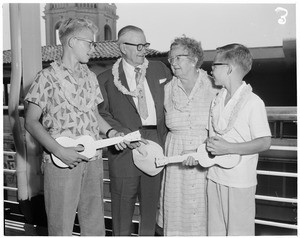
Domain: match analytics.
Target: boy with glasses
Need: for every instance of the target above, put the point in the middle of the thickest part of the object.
(238, 124)
(66, 96)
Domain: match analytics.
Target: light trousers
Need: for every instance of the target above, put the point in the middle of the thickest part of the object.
(231, 211)
(68, 190)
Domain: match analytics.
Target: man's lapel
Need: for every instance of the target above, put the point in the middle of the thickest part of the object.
(150, 76)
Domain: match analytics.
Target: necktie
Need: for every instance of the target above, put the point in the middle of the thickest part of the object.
(142, 104)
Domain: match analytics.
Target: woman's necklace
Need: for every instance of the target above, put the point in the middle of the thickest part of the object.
(234, 113)
(118, 84)
(181, 104)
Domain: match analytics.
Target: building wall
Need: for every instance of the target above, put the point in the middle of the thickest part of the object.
(102, 14)
(273, 76)
(274, 80)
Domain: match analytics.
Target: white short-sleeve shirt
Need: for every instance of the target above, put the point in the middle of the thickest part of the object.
(251, 123)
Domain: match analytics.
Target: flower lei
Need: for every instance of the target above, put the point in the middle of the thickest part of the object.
(234, 113)
(183, 105)
(118, 84)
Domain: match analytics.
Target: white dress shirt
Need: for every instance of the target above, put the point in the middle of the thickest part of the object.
(130, 77)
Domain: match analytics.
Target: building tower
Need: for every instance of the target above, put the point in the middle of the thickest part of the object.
(102, 14)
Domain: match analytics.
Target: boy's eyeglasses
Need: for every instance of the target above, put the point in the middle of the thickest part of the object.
(92, 43)
(216, 64)
(139, 46)
(177, 58)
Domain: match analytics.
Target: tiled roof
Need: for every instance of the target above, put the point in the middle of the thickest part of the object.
(104, 50)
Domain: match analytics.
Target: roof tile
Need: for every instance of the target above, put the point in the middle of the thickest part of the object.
(104, 50)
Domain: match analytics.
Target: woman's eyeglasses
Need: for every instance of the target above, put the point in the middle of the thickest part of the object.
(177, 58)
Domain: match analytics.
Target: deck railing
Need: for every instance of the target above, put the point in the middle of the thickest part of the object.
(283, 147)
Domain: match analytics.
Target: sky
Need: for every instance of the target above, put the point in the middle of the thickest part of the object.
(214, 24)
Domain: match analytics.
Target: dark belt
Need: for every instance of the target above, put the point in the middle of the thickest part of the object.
(148, 127)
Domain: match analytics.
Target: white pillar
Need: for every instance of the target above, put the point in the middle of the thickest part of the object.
(14, 98)
(31, 64)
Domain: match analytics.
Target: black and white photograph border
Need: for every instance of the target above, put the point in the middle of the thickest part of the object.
(30, 43)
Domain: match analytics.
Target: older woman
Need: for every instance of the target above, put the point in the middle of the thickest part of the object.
(187, 99)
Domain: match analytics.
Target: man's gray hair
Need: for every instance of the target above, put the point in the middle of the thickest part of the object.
(127, 29)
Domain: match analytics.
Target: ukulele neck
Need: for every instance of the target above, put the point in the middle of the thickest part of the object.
(108, 142)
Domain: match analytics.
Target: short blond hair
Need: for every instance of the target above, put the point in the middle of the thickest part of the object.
(74, 25)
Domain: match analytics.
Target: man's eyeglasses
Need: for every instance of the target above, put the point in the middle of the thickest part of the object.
(92, 43)
(177, 58)
(139, 46)
(216, 64)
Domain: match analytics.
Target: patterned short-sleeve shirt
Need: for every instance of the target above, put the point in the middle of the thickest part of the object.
(68, 100)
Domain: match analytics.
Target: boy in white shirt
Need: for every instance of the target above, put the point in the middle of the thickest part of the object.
(238, 124)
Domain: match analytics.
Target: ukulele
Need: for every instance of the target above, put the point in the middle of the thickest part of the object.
(203, 157)
(90, 145)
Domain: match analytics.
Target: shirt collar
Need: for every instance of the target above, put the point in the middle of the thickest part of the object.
(128, 66)
(237, 93)
(239, 90)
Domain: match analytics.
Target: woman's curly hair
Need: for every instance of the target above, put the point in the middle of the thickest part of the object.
(193, 47)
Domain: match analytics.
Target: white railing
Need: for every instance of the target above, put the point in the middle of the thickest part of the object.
(276, 224)
(275, 173)
(258, 197)
(274, 113)
(278, 199)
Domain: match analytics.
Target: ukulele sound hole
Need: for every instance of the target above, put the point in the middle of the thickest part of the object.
(81, 147)
(210, 155)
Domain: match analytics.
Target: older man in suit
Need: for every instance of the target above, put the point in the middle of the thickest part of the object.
(133, 92)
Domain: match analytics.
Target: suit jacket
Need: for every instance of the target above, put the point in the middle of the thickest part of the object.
(120, 111)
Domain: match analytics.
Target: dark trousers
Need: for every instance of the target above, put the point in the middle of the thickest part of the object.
(124, 194)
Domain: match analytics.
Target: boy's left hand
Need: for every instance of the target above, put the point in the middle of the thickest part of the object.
(217, 145)
(127, 144)
(122, 145)
(135, 145)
